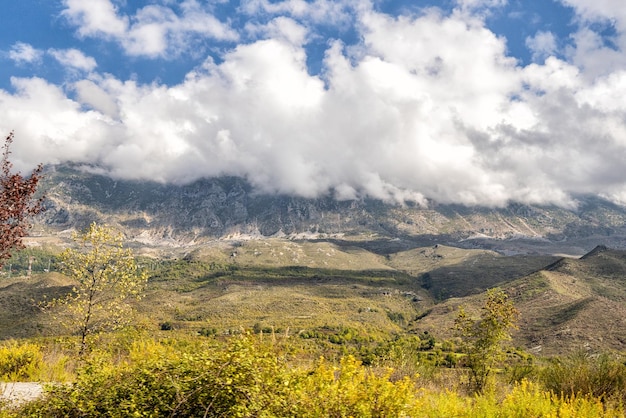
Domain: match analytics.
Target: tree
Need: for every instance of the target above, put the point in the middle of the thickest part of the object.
(17, 203)
(107, 278)
(483, 338)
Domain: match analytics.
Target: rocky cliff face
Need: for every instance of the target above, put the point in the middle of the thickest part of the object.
(158, 214)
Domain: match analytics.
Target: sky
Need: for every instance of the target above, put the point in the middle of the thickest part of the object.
(473, 102)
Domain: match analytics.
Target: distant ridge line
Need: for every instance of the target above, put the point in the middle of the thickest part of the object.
(599, 249)
(553, 266)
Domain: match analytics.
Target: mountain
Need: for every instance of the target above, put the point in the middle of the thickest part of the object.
(228, 257)
(155, 214)
(569, 305)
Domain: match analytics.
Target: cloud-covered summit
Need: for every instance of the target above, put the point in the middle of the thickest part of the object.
(352, 98)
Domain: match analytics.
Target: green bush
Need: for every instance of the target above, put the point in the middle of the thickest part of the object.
(166, 326)
(601, 376)
(207, 332)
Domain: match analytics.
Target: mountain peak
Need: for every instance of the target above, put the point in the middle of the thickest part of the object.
(597, 250)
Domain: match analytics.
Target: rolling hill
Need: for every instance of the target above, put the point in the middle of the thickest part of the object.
(296, 287)
(570, 305)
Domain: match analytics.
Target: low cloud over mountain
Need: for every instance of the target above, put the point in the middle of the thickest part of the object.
(407, 106)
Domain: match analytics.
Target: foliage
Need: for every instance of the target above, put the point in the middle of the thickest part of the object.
(351, 390)
(240, 381)
(526, 399)
(17, 203)
(242, 377)
(483, 338)
(20, 362)
(602, 376)
(35, 259)
(106, 276)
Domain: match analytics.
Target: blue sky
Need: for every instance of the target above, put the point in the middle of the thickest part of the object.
(43, 25)
(478, 102)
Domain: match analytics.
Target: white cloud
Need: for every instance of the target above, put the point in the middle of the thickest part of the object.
(50, 127)
(597, 53)
(153, 31)
(93, 95)
(593, 56)
(73, 58)
(599, 10)
(325, 12)
(428, 106)
(95, 18)
(481, 4)
(24, 53)
(542, 45)
(280, 28)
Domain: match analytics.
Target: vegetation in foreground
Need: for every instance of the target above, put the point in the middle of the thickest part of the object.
(243, 376)
(330, 370)
(134, 373)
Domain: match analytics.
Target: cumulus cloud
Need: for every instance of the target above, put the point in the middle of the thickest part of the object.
(427, 106)
(484, 5)
(280, 28)
(95, 18)
(594, 51)
(327, 12)
(594, 10)
(24, 53)
(542, 45)
(153, 31)
(74, 58)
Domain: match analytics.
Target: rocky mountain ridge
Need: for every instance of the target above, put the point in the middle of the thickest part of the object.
(156, 214)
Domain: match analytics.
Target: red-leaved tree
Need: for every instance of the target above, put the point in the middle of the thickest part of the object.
(17, 203)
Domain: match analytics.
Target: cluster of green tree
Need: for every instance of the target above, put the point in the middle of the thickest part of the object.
(166, 270)
(33, 260)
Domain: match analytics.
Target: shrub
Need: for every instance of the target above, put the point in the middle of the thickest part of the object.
(529, 400)
(242, 380)
(20, 362)
(351, 389)
(600, 376)
(247, 379)
(166, 326)
(207, 332)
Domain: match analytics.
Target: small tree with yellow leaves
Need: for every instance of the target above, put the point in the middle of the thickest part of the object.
(107, 277)
(483, 338)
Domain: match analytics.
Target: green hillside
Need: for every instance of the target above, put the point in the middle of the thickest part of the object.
(298, 287)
